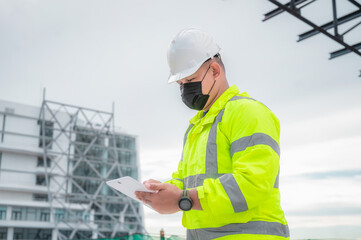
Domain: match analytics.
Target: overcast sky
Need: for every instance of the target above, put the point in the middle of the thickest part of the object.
(92, 53)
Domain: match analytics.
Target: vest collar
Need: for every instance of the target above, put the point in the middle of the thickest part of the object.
(217, 106)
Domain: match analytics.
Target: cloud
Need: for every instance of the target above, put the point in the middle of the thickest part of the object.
(334, 154)
(338, 232)
(351, 173)
(321, 127)
(159, 164)
(171, 223)
(302, 193)
(327, 209)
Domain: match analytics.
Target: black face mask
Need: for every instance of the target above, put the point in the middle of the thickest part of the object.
(192, 94)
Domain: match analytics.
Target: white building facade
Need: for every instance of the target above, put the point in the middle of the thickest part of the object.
(54, 162)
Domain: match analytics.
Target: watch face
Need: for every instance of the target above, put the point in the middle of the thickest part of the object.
(185, 204)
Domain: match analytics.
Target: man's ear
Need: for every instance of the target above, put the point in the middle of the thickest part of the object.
(216, 69)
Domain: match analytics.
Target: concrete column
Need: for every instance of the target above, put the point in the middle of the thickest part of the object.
(10, 235)
(8, 213)
(95, 234)
(52, 215)
(54, 234)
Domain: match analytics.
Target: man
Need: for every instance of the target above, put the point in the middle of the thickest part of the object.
(227, 180)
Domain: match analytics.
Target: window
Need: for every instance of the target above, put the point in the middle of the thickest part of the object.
(18, 235)
(48, 134)
(2, 213)
(32, 233)
(127, 171)
(30, 214)
(79, 215)
(1, 154)
(41, 180)
(16, 214)
(45, 216)
(41, 162)
(40, 197)
(114, 208)
(87, 217)
(41, 234)
(3, 233)
(59, 215)
(89, 186)
(127, 157)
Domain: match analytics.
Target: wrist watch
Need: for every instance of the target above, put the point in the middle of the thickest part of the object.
(185, 203)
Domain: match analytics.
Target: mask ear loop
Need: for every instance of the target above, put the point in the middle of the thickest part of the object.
(205, 76)
(212, 86)
(205, 73)
(213, 82)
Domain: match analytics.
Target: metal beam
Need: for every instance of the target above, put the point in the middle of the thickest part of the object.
(295, 14)
(355, 3)
(330, 25)
(76, 107)
(277, 11)
(335, 22)
(344, 51)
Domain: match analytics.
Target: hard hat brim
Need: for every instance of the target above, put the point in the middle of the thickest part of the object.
(186, 73)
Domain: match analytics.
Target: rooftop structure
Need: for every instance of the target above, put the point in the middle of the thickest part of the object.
(54, 162)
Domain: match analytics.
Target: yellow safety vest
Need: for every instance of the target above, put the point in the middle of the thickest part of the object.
(231, 155)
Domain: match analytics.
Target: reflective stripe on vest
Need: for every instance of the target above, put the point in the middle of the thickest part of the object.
(238, 145)
(255, 227)
(185, 138)
(211, 157)
(211, 154)
(239, 97)
(256, 139)
(194, 181)
(277, 182)
(234, 193)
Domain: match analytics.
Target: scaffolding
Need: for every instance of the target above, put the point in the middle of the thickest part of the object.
(78, 173)
(294, 7)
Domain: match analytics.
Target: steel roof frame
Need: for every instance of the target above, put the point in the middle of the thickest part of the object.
(292, 8)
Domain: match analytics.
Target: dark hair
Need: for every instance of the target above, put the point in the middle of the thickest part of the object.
(215, 56)
(218, 60)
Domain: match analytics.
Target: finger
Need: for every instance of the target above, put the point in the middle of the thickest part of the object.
(141, 198)
(146, 195)
(148, 185)
(157, 186)
(138, 195)
(144, 200)
(142, 195)
(149, 181)
(153, 181)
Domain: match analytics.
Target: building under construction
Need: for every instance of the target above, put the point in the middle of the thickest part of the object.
(54, 162)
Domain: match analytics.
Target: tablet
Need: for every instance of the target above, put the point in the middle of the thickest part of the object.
(128, 186)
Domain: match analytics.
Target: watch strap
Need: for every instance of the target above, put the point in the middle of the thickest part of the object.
(185, 194)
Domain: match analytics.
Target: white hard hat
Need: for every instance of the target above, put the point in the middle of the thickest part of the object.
(188, 50)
